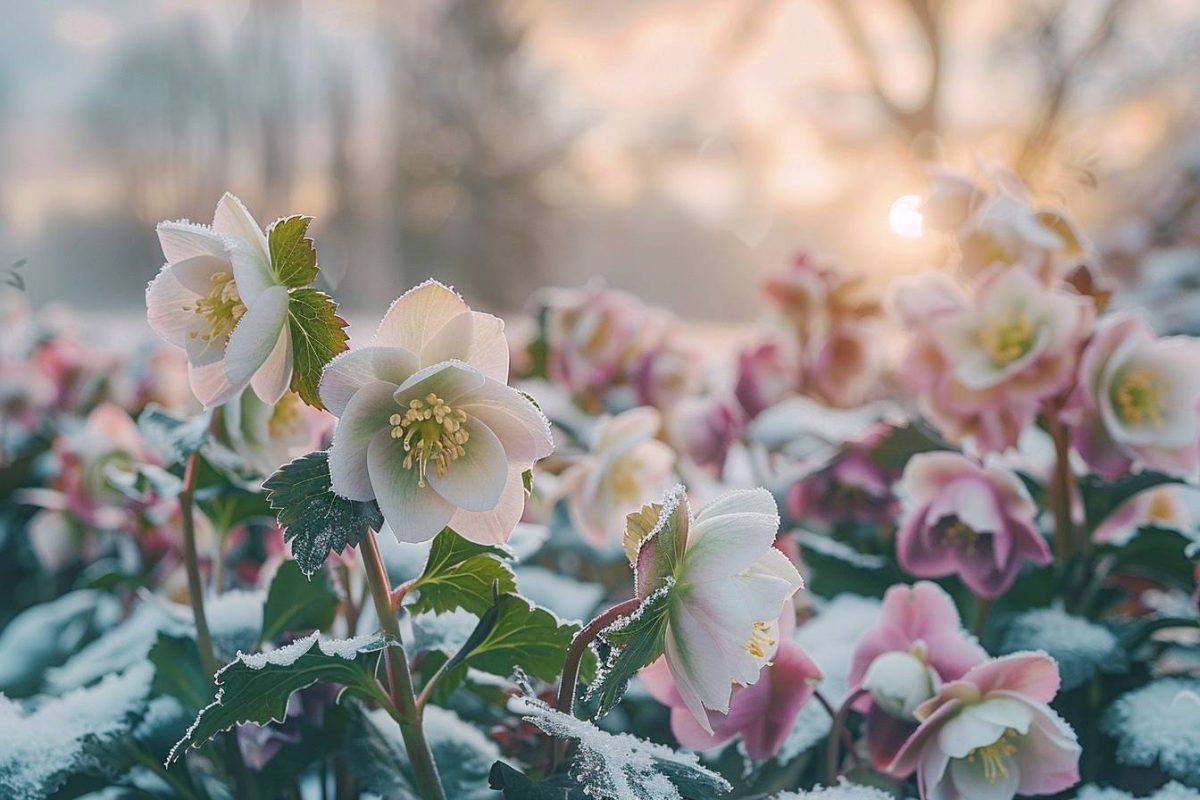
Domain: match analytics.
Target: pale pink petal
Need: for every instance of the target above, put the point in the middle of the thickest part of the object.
(256, 335)
(210, 385)
(692, 672)
(474, 481)
(496, 525)
(910, 754)
(417, 315)
(415, 513)
(180, 240)
(522, 428)
(627, 429)
(450, 380)
(350, 371)
(366, 415)
(970, 781)
(656, 677)
(926, 473)
(475, 338)
(272, 379)
(1032, 674)
(166, 298)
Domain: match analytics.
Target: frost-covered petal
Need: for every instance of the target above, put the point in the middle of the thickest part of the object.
(181, 240)
(366, 415)
(475, 479)
(166, 298)
(256, 335)
(247, 248)
(272, 379)
(473, 337)
(522, 428)
(416, 513)
(731, 534)
(350, 371)
(495, 525)
(417, 315)
(450, 380)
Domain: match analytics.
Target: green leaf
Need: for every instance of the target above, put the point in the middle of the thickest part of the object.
(293, 256)
(175, 439)
(255, 688)
(314, 519)
(296, 603)
(635, 641)
(227, 505)
(318, 334)
(459, 574)
(836, 567)
(516, 785)
(903, 442)
(1101, 498)
(179, 671)
(525, 636)
(1158, 554)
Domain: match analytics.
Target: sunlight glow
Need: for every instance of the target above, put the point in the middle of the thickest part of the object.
(906, 218)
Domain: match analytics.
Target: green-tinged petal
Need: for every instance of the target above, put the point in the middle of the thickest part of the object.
(366, 415)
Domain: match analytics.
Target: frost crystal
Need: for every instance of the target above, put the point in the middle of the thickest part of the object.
(843, 791)
(617, 766)
(1172, 791)
(1159, 722)
(1081, 648)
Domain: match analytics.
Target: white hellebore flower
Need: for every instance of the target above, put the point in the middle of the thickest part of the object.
(428, 426)
(217, 298)
(626, 469)
(726, 587)
(899, 681)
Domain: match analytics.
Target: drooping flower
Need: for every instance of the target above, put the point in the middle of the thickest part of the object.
(627, 468)
(762, 714)
(853, 487)
(703, 428)
(267, 436)
(991, 735)
(966, 519)
(917, 645)
(766, 373)
(726, 586)
(984, 365)
(1137, 400)
(218, 299)
(1161, 505)
(428, 426)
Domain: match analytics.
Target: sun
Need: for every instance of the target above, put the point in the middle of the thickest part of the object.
(905, 216)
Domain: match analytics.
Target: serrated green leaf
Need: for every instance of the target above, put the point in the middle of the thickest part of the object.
(255, 688)
(516, 785)
(293, 256)
(318, 334)
(296, 603)
(635, 642)
(459, 574)
(173, 438)
(525, 636)
(226, 505)
(179, 673)
(316, 521)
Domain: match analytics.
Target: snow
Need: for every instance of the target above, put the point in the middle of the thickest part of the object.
(615, 766)
(1080, 647)
(280, 657)
(843, 791)
(1172, 791)
(1159, 723)
(40, 746)
(44, 634)
(116, 650)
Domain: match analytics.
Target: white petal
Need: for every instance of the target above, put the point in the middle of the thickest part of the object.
(256, 335)
(165, 301)
(496, 525)
(365, 416)
(450, 380)
(737, 502)
(475, 480)
(628, 429)
(679, 661)
(180, 240)
(272, 379)
(415, 513)
(475, 338)
(970, 781)
(731, 534)
(210, 385)
(350, 371)
(251, 258)
(521, 427)
(418, 315)
(967, 731)
(705, 655)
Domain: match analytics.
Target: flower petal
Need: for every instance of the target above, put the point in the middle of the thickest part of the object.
(473, 337)
(415, 513)
(182, 239)
(350, 371)
(272, 379)
(730, 534)
(521, 427)
(256, 335)
(496, 525)
(248, 248)
(210, 385)
(365, 416)
(418, 315)
(449, 380)
(165, 301)
(475, 480)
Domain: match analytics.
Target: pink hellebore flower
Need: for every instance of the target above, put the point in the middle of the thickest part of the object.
(983, 366)
(726, 587)
(766, 373)
(917, 645)
(218, 299)
(992, 735)
(1137, 400)
(976, 522)
(763, 713)
(704, 428)
(627, 468)
(428, 425)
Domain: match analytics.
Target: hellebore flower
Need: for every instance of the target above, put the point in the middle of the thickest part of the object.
(1137, 400)
(726, 586)
(218, 299)
(266, 436)
(763, 714)
(992, 735)
(917, 645)
(626, 469)
(983, 366)
(976, 522)
(428, 427)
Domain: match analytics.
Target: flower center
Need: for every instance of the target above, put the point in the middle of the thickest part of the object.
(1008, 338)
(222, 308)
(761, 641)
(285, 416)
(956, 533)
(1139, 397)
(995, 756)
(432, 432)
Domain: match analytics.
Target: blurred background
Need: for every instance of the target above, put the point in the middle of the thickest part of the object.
(676, 148)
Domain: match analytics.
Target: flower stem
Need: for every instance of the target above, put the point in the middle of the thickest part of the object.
(1062, 487)
(836, 732)
(570, 674)
(400, 686)
(983, 606)
(191, 563)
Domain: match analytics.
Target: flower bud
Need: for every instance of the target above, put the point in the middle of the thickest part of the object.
(899, 682)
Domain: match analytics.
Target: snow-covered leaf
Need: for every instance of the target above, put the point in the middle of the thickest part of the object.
(636, 640)
(834, 567)
(1081, 648)
(1159, 723)
(173, 438)
(843, 791)
(117, 649)
(316, 521)
(255, 688)
(460, 574)
(516, 785)
(45, 635)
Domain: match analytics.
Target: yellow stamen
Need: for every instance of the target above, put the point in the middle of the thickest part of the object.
(1008, 338)
(995, 756)
(956, 533)
(1138, 397)
(760, 642)
(222, 308)
(431, 431)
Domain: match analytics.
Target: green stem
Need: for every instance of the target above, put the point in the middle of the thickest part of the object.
(192, 564)
(1062, 487)
(570, 673)
(836, 732)
(400, 686)
(983, 606)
